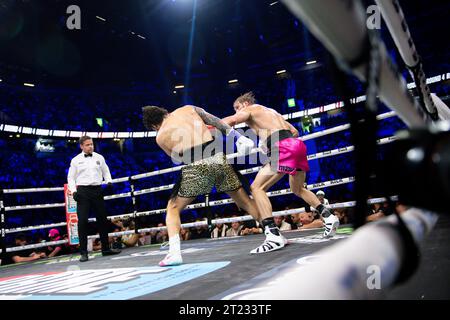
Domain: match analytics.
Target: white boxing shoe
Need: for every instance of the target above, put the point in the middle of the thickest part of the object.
(171, 260)
(274, 241)
(331, 223)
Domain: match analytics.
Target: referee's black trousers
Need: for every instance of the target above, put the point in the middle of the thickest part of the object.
(91, 197)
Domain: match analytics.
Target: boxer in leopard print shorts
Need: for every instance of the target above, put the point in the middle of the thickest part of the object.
(201, 176)
(184, 135)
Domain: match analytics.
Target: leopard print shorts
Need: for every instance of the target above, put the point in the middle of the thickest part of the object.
(200, 177)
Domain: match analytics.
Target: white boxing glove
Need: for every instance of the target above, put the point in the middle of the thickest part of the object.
(244, 145)
(262, 146)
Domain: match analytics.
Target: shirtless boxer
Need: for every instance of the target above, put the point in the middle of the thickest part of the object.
(183, 134)
(287, 155)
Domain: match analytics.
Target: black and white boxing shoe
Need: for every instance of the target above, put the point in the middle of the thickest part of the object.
(331, 223)
(274, 241)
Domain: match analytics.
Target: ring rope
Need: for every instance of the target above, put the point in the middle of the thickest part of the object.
(314, 186)
(234, 155)
(197, 205)
(149, 134)
(347, 204)
(318, 155)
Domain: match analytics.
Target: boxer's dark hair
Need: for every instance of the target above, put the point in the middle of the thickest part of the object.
(246, 97)
(83, 139)
(153, 116)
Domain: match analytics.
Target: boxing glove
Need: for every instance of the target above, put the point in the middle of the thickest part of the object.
(262, 146)
(243, 144)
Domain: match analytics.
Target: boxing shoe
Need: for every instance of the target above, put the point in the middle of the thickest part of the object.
(84, 257)
(274, 241)
(171, 260)
(331, 223)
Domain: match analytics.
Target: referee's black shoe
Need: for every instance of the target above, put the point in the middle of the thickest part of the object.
(84, 257)
(110, 252)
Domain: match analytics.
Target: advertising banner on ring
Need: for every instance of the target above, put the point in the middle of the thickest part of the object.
(71, 217)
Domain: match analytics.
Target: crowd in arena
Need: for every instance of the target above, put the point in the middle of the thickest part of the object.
(23, 167)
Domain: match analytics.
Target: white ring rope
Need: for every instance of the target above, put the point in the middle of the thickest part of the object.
(149, 134)
(34, 206)
(196, 205)
(29, 190)
(395, 21)
(274, 193)
(347, 204)
(346, 36)
(315, 156)
(229, 156)
(36, 245)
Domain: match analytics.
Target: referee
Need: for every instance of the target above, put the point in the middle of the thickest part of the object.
(86, 174)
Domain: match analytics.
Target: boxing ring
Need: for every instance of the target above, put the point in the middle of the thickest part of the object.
(213, 269)
(135, 193)
(222, 268)
(200, 255)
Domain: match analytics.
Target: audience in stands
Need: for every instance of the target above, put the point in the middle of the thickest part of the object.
(199, 232)
(22, 167)
(376, 212)
(309, 220)
(341, 213)
(23, 255)
(162, 235)
(219, 231)
(52, 251)
(281, 224)
(235, 229)
(251, 227)
(185, 234)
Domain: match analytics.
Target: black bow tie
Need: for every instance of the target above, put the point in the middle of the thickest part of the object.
(87, 155)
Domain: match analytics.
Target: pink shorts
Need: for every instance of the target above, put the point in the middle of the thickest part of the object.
(291, 156)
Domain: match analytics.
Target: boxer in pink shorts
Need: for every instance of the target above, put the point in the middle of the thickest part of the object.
(291, 153)
(287, 155)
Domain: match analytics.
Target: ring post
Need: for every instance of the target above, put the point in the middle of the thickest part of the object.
(134, 201)
(2, 227)
(208, 213)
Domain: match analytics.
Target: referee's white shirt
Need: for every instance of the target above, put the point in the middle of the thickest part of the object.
(88, 171)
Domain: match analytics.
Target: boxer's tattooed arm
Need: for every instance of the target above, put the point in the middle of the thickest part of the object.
(212, 120)
(293, 130)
